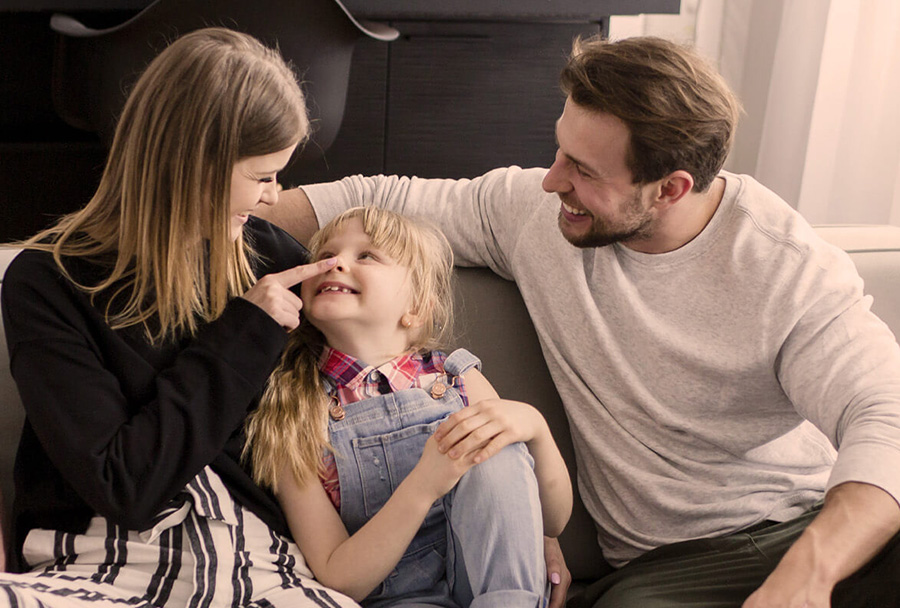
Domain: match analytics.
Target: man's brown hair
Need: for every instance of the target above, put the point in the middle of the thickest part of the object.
(679, 111)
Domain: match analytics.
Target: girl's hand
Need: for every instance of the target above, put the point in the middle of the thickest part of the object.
(485, 428)
(272, 292)
(436, 474)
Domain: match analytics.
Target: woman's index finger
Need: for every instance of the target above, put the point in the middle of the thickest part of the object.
(290, 277)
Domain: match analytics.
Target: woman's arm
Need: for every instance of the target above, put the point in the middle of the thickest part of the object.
(355, 565)
(124, 423)
(125, 436)
(490, 424)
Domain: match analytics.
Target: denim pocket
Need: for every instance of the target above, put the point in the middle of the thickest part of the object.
(385, 460)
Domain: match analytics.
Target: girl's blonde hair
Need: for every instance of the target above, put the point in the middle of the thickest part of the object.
(161, 213)
(289, 429)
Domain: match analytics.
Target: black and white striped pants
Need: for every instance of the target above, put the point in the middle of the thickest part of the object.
(206, 551)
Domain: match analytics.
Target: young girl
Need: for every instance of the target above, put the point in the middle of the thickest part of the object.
(407, 506)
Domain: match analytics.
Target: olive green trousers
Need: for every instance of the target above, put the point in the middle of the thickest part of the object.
(722, 572)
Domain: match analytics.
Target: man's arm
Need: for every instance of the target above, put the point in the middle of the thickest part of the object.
(293, 213)
(856, 522)
(482, 218)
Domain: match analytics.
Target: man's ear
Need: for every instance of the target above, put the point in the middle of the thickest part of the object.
(674, 187)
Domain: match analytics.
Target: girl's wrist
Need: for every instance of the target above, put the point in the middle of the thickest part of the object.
(417, 489)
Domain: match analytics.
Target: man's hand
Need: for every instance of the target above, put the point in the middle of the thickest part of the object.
(559, 576)
(272, 292)
(856, 522)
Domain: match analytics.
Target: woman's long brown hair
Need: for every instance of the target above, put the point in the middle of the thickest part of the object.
(161, 211)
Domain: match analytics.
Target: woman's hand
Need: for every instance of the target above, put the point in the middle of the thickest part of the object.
(272, 292)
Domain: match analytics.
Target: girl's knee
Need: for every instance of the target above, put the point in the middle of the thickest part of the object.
(507, 478)
(514, 459)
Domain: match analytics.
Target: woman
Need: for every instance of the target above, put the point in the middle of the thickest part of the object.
(141, 333)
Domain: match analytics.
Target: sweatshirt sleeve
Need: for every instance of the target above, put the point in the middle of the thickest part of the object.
(840, 366)
(125, 431)
(482, 217)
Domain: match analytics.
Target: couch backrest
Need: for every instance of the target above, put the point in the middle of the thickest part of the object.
(875, 251)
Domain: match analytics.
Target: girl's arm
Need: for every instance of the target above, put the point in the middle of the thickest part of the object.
(355, 565)
(489, 424)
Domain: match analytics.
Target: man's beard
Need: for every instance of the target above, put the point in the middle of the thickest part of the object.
(636, 224)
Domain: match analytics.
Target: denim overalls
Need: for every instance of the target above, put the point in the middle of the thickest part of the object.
(483, 539)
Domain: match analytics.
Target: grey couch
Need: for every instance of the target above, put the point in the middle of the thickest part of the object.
(493, 323)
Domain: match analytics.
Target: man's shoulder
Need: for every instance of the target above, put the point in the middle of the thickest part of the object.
(776, 236)
(772, 219)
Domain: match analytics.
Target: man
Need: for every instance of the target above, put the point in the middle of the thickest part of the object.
(711, 351)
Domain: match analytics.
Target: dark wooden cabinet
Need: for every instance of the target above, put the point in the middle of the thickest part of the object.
(451, 99)
(470, 85)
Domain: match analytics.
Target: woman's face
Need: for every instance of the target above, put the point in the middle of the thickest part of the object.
(254, 183)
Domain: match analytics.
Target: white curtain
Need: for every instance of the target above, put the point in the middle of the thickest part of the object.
(820, 80)
(820, 84)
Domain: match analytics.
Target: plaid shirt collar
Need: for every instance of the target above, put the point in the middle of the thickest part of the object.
(345, 371)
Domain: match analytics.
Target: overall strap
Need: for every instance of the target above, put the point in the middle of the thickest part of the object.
(460, 361)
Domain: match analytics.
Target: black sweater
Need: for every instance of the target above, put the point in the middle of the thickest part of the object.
(116, 426)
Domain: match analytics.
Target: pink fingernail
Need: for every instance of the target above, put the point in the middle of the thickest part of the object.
(554, 578)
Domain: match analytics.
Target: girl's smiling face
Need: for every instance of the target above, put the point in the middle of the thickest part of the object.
(364, 302)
